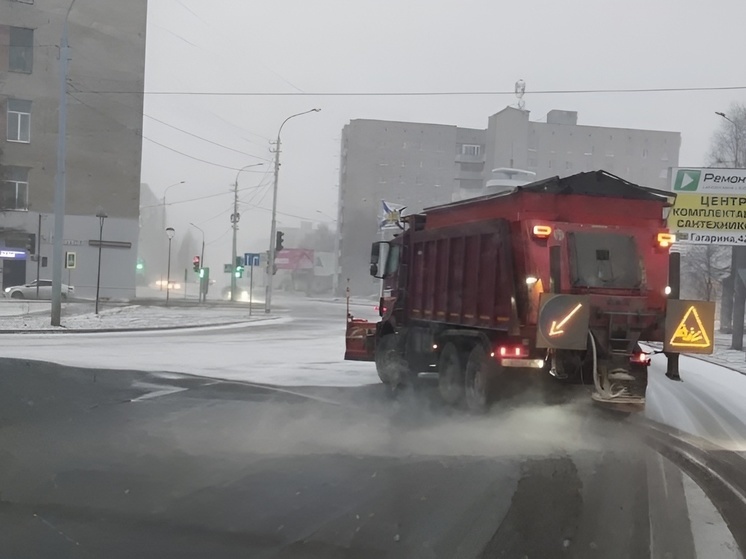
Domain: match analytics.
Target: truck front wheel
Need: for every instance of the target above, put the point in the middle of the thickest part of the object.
(480, 376)
(451, 375)
(391, 366)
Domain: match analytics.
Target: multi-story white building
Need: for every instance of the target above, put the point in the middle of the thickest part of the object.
(420, 165)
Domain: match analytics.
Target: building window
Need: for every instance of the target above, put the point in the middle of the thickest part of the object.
(21, 51)
(471, 149)
(568, 165)
(644, 153)
(14, 193)
(550, 164)
(19, 121)
(418, 179)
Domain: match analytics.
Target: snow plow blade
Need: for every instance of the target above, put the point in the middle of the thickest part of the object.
(360, 340)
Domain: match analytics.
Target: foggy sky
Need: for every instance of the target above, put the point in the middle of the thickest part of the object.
(407, 45)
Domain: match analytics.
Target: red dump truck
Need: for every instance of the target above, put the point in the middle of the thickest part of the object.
(564, 276)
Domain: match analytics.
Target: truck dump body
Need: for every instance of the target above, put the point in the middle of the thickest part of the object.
(471, 260)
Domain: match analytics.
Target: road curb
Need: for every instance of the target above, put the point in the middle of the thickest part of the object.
(64, 330)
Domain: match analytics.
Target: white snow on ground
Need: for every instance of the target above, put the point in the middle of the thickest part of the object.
(281, 351)
(35, 316)
(710, 402)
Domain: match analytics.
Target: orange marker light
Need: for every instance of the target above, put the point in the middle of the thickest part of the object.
(542, 231)
(665, 240)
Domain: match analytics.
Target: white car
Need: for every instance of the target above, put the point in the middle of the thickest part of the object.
(28, 291)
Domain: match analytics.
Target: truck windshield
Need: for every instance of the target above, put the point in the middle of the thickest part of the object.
(605, 260)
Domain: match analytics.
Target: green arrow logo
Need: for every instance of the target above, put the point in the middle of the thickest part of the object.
(687, 180)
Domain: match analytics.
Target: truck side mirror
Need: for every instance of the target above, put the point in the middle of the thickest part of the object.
(378, 254)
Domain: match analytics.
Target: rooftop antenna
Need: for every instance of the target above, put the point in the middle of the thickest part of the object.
(520, 91)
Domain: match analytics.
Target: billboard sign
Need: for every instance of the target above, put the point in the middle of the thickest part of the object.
(294, 259)
(710, 206)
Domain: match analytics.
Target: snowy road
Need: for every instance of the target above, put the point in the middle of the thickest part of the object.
(305, 347)
(331, 466)
(302, 347)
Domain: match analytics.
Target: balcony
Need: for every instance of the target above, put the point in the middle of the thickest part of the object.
(464, 158)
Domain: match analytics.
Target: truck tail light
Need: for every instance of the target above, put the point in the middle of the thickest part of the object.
(510, 351)
(665, 240)
(542, 231)
(641, 358)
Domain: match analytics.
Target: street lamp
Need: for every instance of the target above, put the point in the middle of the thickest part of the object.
(59, 183)
(235, 218)
(101, 217)
(170, 232)
(273, 230)
(201, 263)
(170, 186)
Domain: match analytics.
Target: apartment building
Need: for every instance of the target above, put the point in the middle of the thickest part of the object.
(104, 144)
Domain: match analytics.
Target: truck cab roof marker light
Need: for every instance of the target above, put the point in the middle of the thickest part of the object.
(542, 231)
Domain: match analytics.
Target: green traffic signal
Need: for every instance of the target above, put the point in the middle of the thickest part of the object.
(140, 266)
(201, 273)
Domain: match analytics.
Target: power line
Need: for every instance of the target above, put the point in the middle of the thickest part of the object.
(195, 158)
(424, 93)
(198, 198)
(205, 139)
(79, 100)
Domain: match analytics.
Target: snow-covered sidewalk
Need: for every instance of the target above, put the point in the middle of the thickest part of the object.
(725, 356)
(129, 317)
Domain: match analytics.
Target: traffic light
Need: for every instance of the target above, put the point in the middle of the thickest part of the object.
(196, 263)
(279, 241)
(201, 273)
(140, 265)
(239, 267)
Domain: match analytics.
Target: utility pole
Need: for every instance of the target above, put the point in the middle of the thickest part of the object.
(59, 183)
(234, 220)
(273, 229)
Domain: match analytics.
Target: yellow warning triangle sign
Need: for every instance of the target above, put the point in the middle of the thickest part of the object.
(690, 332)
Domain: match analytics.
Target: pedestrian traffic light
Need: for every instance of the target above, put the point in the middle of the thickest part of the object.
(196, 263)
(279, 241)
(201, 273)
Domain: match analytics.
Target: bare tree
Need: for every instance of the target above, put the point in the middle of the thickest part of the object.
(704, 267)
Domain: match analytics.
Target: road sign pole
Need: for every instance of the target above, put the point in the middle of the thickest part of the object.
(251, 285)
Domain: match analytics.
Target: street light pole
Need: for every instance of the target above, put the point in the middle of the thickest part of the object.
(101, 217)
(201, 263)
(59, 184)
(273, 229)
(235, 218)
(170, 234)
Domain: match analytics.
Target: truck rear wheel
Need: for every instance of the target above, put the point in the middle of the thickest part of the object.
(480, 376)
(391, 366)
(451, 375)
